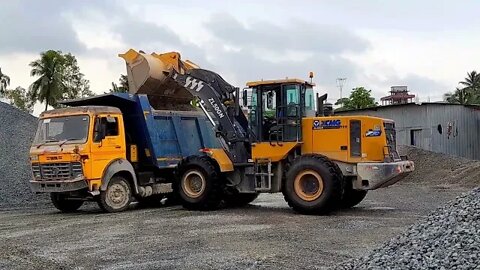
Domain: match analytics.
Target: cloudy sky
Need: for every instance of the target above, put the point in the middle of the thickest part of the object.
(428, 45)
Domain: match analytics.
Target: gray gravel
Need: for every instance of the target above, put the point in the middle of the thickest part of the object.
(440, 169)
(17, 129)
(449, 238)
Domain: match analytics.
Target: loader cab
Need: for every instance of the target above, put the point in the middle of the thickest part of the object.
(276, 109)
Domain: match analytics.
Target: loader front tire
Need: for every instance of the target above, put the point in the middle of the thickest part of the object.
(199, 185)
(62, 203)
(313, 185)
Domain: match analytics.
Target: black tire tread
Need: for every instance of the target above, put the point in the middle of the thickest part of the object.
(213, 198)
(65, 206)
(101, 198)
(337, 189)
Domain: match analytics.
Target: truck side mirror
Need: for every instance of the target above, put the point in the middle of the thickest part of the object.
(245, 98)
(98, 130)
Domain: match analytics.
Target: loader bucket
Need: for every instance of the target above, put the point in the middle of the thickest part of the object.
(149, 75)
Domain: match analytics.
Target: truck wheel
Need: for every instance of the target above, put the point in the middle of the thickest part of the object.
(61, 202)
(313, 185)
(351, 197)
(199, 186)
(117, 197)
(236, 199)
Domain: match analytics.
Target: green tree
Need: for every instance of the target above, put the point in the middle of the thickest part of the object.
(469, 93)
(460, 96)
(123, 88)
(76, 86)
(20, 99)
(4, 82)
(472, 82)
(59, 78)
(49, 86)
(359, 98)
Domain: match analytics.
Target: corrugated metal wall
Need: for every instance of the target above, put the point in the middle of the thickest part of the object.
(421, 124)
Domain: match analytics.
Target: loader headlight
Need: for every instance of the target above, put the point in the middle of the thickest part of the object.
(34, 158)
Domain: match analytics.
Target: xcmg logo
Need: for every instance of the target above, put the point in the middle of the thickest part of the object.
(327, 124)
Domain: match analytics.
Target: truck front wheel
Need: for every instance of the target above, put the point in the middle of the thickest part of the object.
(62, 203)
(117, 196)
(199, 186)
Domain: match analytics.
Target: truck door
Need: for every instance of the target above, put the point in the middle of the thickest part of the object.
(108, 142)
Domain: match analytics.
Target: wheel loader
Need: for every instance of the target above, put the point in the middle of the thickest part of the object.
(283, 144)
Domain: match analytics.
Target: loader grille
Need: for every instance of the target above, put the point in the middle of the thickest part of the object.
(391, 140)
(57, 171)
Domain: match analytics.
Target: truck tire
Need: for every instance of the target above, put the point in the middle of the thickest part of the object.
(199, 185)
(62, 203)
(352, 197)
(117, 196)
(235, 199)
(313, 185)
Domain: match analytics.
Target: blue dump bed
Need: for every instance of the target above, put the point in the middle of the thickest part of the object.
(163, 137)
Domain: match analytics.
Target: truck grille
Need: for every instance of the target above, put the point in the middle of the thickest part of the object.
(56, 171)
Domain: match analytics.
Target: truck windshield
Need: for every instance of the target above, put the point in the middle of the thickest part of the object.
(68, 129)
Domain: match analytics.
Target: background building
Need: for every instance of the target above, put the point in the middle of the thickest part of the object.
(398, 95)
(439, 127)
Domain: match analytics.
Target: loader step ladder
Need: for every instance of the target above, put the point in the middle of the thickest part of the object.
(263, 174)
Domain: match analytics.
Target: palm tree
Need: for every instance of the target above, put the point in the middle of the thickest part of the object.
(460, 96)
(49, 86)
(472, 82)
(4, 82)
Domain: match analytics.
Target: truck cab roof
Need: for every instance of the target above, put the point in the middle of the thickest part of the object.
(79, 110)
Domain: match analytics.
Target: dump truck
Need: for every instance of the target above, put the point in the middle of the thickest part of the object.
(141, 144)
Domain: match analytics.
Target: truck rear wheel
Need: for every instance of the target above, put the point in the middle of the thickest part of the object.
(199, 186)
(117, 196)
(313, 185)
(62, 203)
(352, 197)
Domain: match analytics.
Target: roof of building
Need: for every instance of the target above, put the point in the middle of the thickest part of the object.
(376, 108)
(282, 81)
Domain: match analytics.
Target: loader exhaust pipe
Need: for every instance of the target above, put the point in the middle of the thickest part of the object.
(320, 101)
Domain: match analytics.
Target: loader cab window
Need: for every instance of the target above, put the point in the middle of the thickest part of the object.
(276, 114)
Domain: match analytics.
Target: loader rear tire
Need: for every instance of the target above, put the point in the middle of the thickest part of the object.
(352, 197)
(313, 185)
(62, 203)
(117, 196)
(199, 185)
(236, 199)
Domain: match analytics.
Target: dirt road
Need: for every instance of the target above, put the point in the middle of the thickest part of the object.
(262, 236)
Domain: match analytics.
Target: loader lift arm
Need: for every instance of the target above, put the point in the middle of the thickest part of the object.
(217, 95)
(170, 80)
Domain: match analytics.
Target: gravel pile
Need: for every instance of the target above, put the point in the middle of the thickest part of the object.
(16, 134)
(440, 169)
(449, 238)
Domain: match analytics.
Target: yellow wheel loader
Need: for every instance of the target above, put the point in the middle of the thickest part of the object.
(281, 144)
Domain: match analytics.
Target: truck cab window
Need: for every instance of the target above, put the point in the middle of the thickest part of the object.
(111, 126)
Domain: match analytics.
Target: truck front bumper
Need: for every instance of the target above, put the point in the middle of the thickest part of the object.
(78, 183)
(378, 175)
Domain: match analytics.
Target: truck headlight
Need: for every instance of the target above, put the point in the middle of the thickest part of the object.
(34, 158)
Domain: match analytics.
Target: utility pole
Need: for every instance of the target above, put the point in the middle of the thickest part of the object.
(340, 84)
